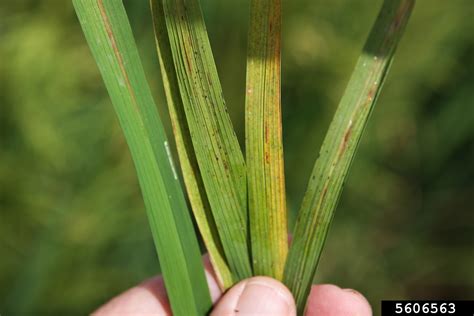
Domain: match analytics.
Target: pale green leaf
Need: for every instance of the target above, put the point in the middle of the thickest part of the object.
(264, 149)
(189, 166)
(339, 147)
(215, 144)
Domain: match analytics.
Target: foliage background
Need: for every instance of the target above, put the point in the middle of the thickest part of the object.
(73, 231)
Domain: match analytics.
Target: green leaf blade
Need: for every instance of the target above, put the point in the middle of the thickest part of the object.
(108, 32)
(189, 166)
(266, 181)
(339, 147)
(215, 144)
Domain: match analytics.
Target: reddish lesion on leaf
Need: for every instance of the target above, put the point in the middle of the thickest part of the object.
(113, 43)
(267, 157)
(345, 140)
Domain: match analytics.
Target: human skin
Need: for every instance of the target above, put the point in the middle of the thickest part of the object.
(255, 296)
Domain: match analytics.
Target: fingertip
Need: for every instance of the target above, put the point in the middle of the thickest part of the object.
(148, 297)
(257, 296)
(331, 300)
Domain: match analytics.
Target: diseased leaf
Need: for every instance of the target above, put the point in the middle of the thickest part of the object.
(189, 166)
(214, 141)
(110, 38)
(339, 147)
(265, 170)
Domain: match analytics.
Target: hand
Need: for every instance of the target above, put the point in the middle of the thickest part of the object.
(254, 296)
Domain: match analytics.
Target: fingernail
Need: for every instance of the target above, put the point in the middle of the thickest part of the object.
(265, 296)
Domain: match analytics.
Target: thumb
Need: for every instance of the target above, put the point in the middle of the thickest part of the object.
(256, 296)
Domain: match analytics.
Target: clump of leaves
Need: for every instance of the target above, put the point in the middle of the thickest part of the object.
(238, 203)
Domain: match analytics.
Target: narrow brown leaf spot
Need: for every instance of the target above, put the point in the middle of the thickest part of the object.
(346, 135)
(400, 16)
(267, 157)
(397, 21)
(371, 94)
(325, 191)
(188, 62)
(345, 141)
(319, 220)
(113, 42)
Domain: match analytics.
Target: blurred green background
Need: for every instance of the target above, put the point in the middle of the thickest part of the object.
(73, 230)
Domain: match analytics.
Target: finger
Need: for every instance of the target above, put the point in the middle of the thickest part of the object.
(256, 296)
(149, 297)
(331, 300)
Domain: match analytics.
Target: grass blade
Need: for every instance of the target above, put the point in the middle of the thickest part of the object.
(189, 166)
(339, 147)
(265, 170)
(110, 38)
(216, 146)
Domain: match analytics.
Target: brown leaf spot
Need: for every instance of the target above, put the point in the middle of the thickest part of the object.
(325, 191)
(345, 141)
(188, 62)
(371, 94)
(267, 157)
